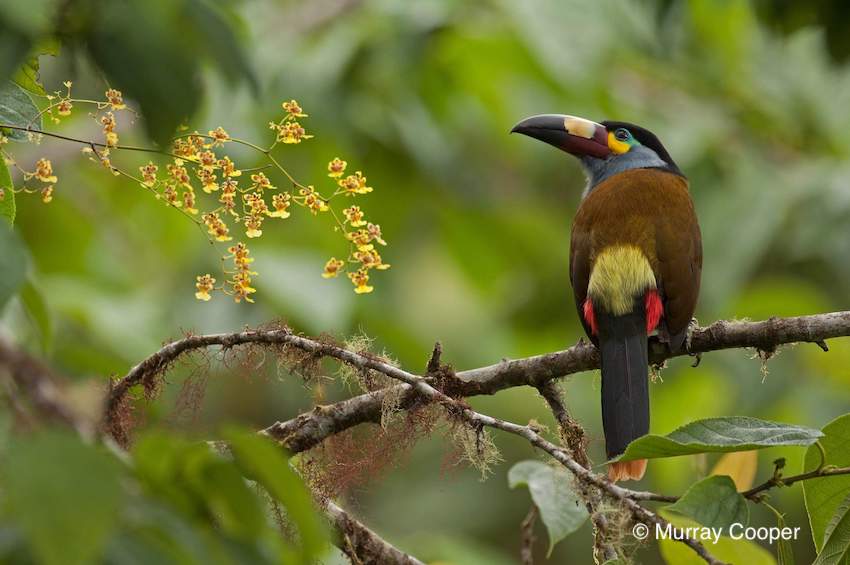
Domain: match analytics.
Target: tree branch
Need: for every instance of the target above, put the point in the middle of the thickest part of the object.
(309, 429)
(361, 544)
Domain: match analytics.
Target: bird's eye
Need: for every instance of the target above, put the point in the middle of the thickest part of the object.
(622, 134)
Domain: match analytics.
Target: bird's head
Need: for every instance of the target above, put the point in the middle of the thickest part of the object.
(604, 149)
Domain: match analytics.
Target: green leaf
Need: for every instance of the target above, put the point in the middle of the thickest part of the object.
(719, 435)
(27, 77)
(36, 308)
(562, 509)
(713, 502)
(823, 496)
(7, 201)
(727, 550)
(263, 461)
(13, 264)
(784, 551)
(220, 486)
(156, 533)
(13, 50)
(66, 516)
(836, 546)
(212, 22)
(145, 50)
(157, 460)
(154, 51)
(17, 109)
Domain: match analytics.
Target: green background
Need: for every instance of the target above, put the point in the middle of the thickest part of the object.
(751, 101)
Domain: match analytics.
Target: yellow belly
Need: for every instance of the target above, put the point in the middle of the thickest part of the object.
(620, 274)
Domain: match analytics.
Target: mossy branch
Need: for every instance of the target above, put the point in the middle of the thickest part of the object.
(309, 429)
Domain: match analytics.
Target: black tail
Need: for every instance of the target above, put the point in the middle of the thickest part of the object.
(625, 376)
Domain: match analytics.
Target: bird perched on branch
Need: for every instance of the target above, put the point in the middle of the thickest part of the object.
(635, 261)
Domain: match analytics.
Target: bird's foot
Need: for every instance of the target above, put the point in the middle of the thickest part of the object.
(689, 332)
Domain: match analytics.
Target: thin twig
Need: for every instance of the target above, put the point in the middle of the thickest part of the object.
(90, 143)
(755, 492)
(571, 432)
(526, 528)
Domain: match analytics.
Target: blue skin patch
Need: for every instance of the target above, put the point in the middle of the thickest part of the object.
(637, 157)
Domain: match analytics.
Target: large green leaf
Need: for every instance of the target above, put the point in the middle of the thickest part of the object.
(214, 27)
(824, 495)
(27, 77)
(154, 50)
(218, 483)
(13, 264)
(154, 532)
(784, 551)
(190, 492)
(720, 435)
(262, 461)
(562, 510)
(713, 502)
(7, 200)
(727, 550)
(836, 546)
(63, 494)
(13, 49)
(17, 109)
(142, 48)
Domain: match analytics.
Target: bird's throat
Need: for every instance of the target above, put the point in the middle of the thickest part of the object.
(598, 170)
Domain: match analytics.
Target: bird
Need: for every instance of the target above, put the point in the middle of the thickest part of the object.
(635, 262)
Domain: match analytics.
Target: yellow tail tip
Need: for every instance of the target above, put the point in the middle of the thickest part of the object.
(627, 470)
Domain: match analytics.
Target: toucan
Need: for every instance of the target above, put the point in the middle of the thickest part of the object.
(635, 262)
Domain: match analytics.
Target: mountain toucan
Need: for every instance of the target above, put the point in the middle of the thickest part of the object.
(635, 261)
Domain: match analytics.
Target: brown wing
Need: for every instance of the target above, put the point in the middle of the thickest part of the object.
(580, 263)
(678, 244)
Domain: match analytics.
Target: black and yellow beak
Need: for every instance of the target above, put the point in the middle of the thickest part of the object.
(576, 136)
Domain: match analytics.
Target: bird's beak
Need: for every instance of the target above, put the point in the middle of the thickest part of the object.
(576, 136)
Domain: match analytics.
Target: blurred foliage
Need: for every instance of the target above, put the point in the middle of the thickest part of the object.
(168, 501)
(153, 48)
(788, 16)
(748, 99)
